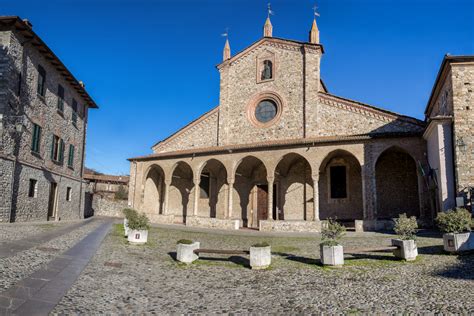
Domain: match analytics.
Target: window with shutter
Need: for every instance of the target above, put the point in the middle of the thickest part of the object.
(41, 87)
(35, 142)
(74, 112)
(60, 98)
(70, 160)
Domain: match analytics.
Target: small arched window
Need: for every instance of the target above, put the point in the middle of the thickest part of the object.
(267, 70)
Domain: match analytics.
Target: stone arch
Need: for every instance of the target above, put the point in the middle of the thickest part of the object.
(213, 185)
(153, 190)
(250, 174)
(340, 187)
(181, 187)
(397, 188)
(294, 192)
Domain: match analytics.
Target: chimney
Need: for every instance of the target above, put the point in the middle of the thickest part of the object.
(28, 23)
(81, 83)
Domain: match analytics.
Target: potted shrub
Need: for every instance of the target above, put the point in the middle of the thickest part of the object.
(332, 252)
(127, 212)
(456, 226)
(405, 227)
(185, 250)
(138, 229)
(260, 256)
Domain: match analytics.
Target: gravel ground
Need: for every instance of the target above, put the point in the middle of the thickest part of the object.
(17, 231)
(21, 265)
(124, 279)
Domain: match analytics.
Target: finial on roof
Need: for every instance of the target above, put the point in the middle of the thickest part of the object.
(268, 28)
(226, 54)
(314, 32)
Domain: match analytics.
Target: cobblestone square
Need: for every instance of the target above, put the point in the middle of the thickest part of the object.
(124, 279)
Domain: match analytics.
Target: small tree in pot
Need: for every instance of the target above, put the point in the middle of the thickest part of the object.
(138, 229)
(185, 250)
(128, 213)
(406, 228)
(456, 226)
(332, 252)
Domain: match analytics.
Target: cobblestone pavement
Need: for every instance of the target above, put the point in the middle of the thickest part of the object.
(17, 231)
(21, 265)
(125, 279)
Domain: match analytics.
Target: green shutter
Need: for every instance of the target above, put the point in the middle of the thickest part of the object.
(33, 140)
(70, 160)
(38, 138)
(61, 151)
(52, 148)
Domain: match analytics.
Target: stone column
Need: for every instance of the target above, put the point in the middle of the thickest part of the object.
(315, 197)
(369, 191)
(167, 197)
(230, 197)
(270, 198)
(197, 191)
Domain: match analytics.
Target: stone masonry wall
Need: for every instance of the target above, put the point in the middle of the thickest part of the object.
(108, 207)
(463, 100)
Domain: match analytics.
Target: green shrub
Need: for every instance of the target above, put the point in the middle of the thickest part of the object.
(261, 244)
(138, 222)
(406, 227)
(454, 221)
(332, 233)
(185, 242)
(121, 193)
(129, 212)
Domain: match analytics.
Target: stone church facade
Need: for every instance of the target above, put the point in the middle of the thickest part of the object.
(280, 152)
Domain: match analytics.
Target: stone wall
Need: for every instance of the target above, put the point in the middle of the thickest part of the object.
(6, 176)
(463, 100)
(108, 207)
(19, 59)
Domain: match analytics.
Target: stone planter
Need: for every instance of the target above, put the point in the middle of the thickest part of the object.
(407, 249)
(125, 226)
(185, 252)
(137, 236)
(332, 255)
(458, 242)
(260, 257)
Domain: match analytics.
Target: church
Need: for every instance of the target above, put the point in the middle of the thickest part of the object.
(282, 153)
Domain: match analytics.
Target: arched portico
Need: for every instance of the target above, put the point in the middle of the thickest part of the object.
(153, 191)
(212, 176)
(294, 190)
(397, 184)
(180, 203)
(251, 191)
(340, 187)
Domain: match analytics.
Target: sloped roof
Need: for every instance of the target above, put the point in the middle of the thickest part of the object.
(25, 29)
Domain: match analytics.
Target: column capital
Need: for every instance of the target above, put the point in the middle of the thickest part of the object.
(270, 179)
(315, 176)
(197, 181)
(230, 180)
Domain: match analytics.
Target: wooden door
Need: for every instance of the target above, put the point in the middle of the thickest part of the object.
(52, 200)
(262, 202)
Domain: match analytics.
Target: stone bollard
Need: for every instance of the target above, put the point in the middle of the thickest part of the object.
(260, 257)
(125, 226)
(185, 252)
(332, 255)
(359, 226)
(406, 249)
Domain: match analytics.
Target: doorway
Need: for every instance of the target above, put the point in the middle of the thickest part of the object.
(52, 204)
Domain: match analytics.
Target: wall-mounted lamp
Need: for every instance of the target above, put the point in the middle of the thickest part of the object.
(461, 144)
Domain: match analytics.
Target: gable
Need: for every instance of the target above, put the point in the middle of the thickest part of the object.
(338, 116)
(200, 133)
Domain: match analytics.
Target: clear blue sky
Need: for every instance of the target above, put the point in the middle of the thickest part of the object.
(150, 65)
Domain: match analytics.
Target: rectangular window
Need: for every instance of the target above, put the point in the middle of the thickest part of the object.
(74, 112)
(68, 193)
(70, 159)
(57, 149)
(33, 189)
(18, 91)
(41, 88)
(36, 139)
(205, 186)
(338, 182)
(60, 98)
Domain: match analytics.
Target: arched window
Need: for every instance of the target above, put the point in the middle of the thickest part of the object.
(267, 70)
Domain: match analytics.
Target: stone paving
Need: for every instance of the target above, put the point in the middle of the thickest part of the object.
(125, 279)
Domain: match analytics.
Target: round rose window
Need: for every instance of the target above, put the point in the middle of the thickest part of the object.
(266, 111)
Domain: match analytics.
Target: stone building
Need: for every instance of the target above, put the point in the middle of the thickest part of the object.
(280, 152)
(43, 120)
(107, 185)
